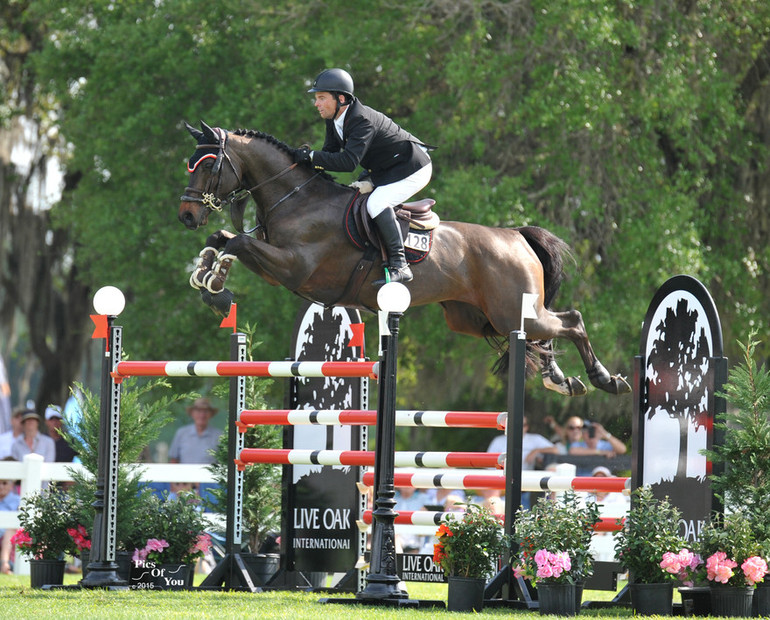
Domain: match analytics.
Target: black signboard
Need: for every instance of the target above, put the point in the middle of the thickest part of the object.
(678, 373)
(322, 503)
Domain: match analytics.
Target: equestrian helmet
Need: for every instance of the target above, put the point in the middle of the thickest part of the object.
(333, 81)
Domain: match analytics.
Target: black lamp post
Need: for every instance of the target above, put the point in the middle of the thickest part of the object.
(383, 579)
(102, 569)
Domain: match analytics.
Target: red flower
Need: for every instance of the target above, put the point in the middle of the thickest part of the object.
(444, 530)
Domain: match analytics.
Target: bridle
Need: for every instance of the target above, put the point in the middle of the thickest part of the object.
(209, 196)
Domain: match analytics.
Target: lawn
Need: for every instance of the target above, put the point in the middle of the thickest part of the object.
(18, 601)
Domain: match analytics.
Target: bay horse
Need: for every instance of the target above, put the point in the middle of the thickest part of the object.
(476, 273)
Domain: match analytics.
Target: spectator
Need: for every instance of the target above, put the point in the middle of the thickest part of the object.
(597, 440)
(572, 435)
(9, 500)
(53, 420)
(7, 438)
(194, 443)
(532, 446)
(32, 440)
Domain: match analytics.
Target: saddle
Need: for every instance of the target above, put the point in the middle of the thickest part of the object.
(416, 219)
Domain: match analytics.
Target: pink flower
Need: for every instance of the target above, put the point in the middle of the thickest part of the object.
(156, 545)
(552, 564)
(719, 567)
(202, 545)
(545, 570)
(140, 555)
(21, 538)
(755, 569)
(519, 571)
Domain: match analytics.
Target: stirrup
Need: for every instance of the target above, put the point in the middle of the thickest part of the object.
(404, 274)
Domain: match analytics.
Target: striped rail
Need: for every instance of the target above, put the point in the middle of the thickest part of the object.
(366, 458)
(531, 481)
(293, 417)
(245, 369)
(429, 518)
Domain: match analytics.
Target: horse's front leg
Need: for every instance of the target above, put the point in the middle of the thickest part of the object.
(203, 275)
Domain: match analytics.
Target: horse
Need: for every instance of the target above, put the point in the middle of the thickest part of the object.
(477, 273)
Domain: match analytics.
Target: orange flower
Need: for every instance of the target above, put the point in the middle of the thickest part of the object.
(443, 530)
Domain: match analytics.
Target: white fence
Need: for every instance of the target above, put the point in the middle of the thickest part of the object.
(33, 471)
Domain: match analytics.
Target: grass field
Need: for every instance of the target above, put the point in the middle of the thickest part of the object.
(19, 601)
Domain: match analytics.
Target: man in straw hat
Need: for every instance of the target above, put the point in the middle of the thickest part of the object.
(193, 443)
(32, 440)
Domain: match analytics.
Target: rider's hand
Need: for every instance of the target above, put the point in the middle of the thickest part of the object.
(302, 155)
(363, 187)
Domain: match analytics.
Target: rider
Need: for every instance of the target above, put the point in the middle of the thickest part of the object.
(396, 164)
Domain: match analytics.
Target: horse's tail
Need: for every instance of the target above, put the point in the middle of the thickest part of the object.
(551, 250)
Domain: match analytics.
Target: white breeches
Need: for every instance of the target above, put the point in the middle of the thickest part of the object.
(395, 193)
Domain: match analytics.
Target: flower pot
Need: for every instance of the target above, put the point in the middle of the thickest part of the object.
(652, 599)
(558, 599)
(761, 601)
(697, 598)
(46, 572)
(465, 593)
(261, 566)
(731, 601)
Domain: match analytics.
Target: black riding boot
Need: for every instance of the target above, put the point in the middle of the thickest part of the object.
(398, 268)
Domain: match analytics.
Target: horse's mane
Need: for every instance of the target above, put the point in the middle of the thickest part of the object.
(253, 133)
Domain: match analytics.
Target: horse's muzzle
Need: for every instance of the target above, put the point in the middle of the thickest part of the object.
(192, 216)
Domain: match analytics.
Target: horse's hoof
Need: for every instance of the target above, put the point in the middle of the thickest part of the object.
(619, 385)
(571, 386)
(219, 303)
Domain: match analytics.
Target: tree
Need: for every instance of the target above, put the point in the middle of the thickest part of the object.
(637, 131)
(41, 291)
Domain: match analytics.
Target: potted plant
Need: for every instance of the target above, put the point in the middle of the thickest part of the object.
(468, 550)
(175, 538)
(49, 530)
(142, 414)
(261, 482)
(650, 547)
(743, 483)
(554, 540)
(733, 563)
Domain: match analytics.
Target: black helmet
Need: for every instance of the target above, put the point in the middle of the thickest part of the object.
(333, 81)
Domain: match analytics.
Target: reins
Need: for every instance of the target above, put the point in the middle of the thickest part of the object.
(210, 199)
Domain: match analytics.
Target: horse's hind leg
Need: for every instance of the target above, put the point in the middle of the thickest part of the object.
(553, 377)
(570, 325)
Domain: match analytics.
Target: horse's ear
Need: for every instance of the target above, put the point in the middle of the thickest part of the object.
(209, 134)
(193, 132)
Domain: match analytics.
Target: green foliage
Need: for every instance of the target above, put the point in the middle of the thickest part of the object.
(261, 481)
(744, 456)
(45, 517)
(732, 535)
(142, 414)
(178, 521)
(651, 529)
(560, 524)
(628, 128)
(471, 545)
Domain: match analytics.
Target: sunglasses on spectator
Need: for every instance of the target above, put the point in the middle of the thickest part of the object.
(574, 428)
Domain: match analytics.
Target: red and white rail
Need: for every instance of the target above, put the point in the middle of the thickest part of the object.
(431, 518)
(294, 417)
(366, 458)
(244, 369)
(531, 481)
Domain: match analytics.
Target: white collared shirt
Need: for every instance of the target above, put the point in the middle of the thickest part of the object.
(340, 120)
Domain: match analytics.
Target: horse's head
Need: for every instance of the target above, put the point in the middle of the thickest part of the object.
(213, 177)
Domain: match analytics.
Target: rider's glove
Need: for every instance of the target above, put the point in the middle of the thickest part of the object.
(302, 155)
(363, 187)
